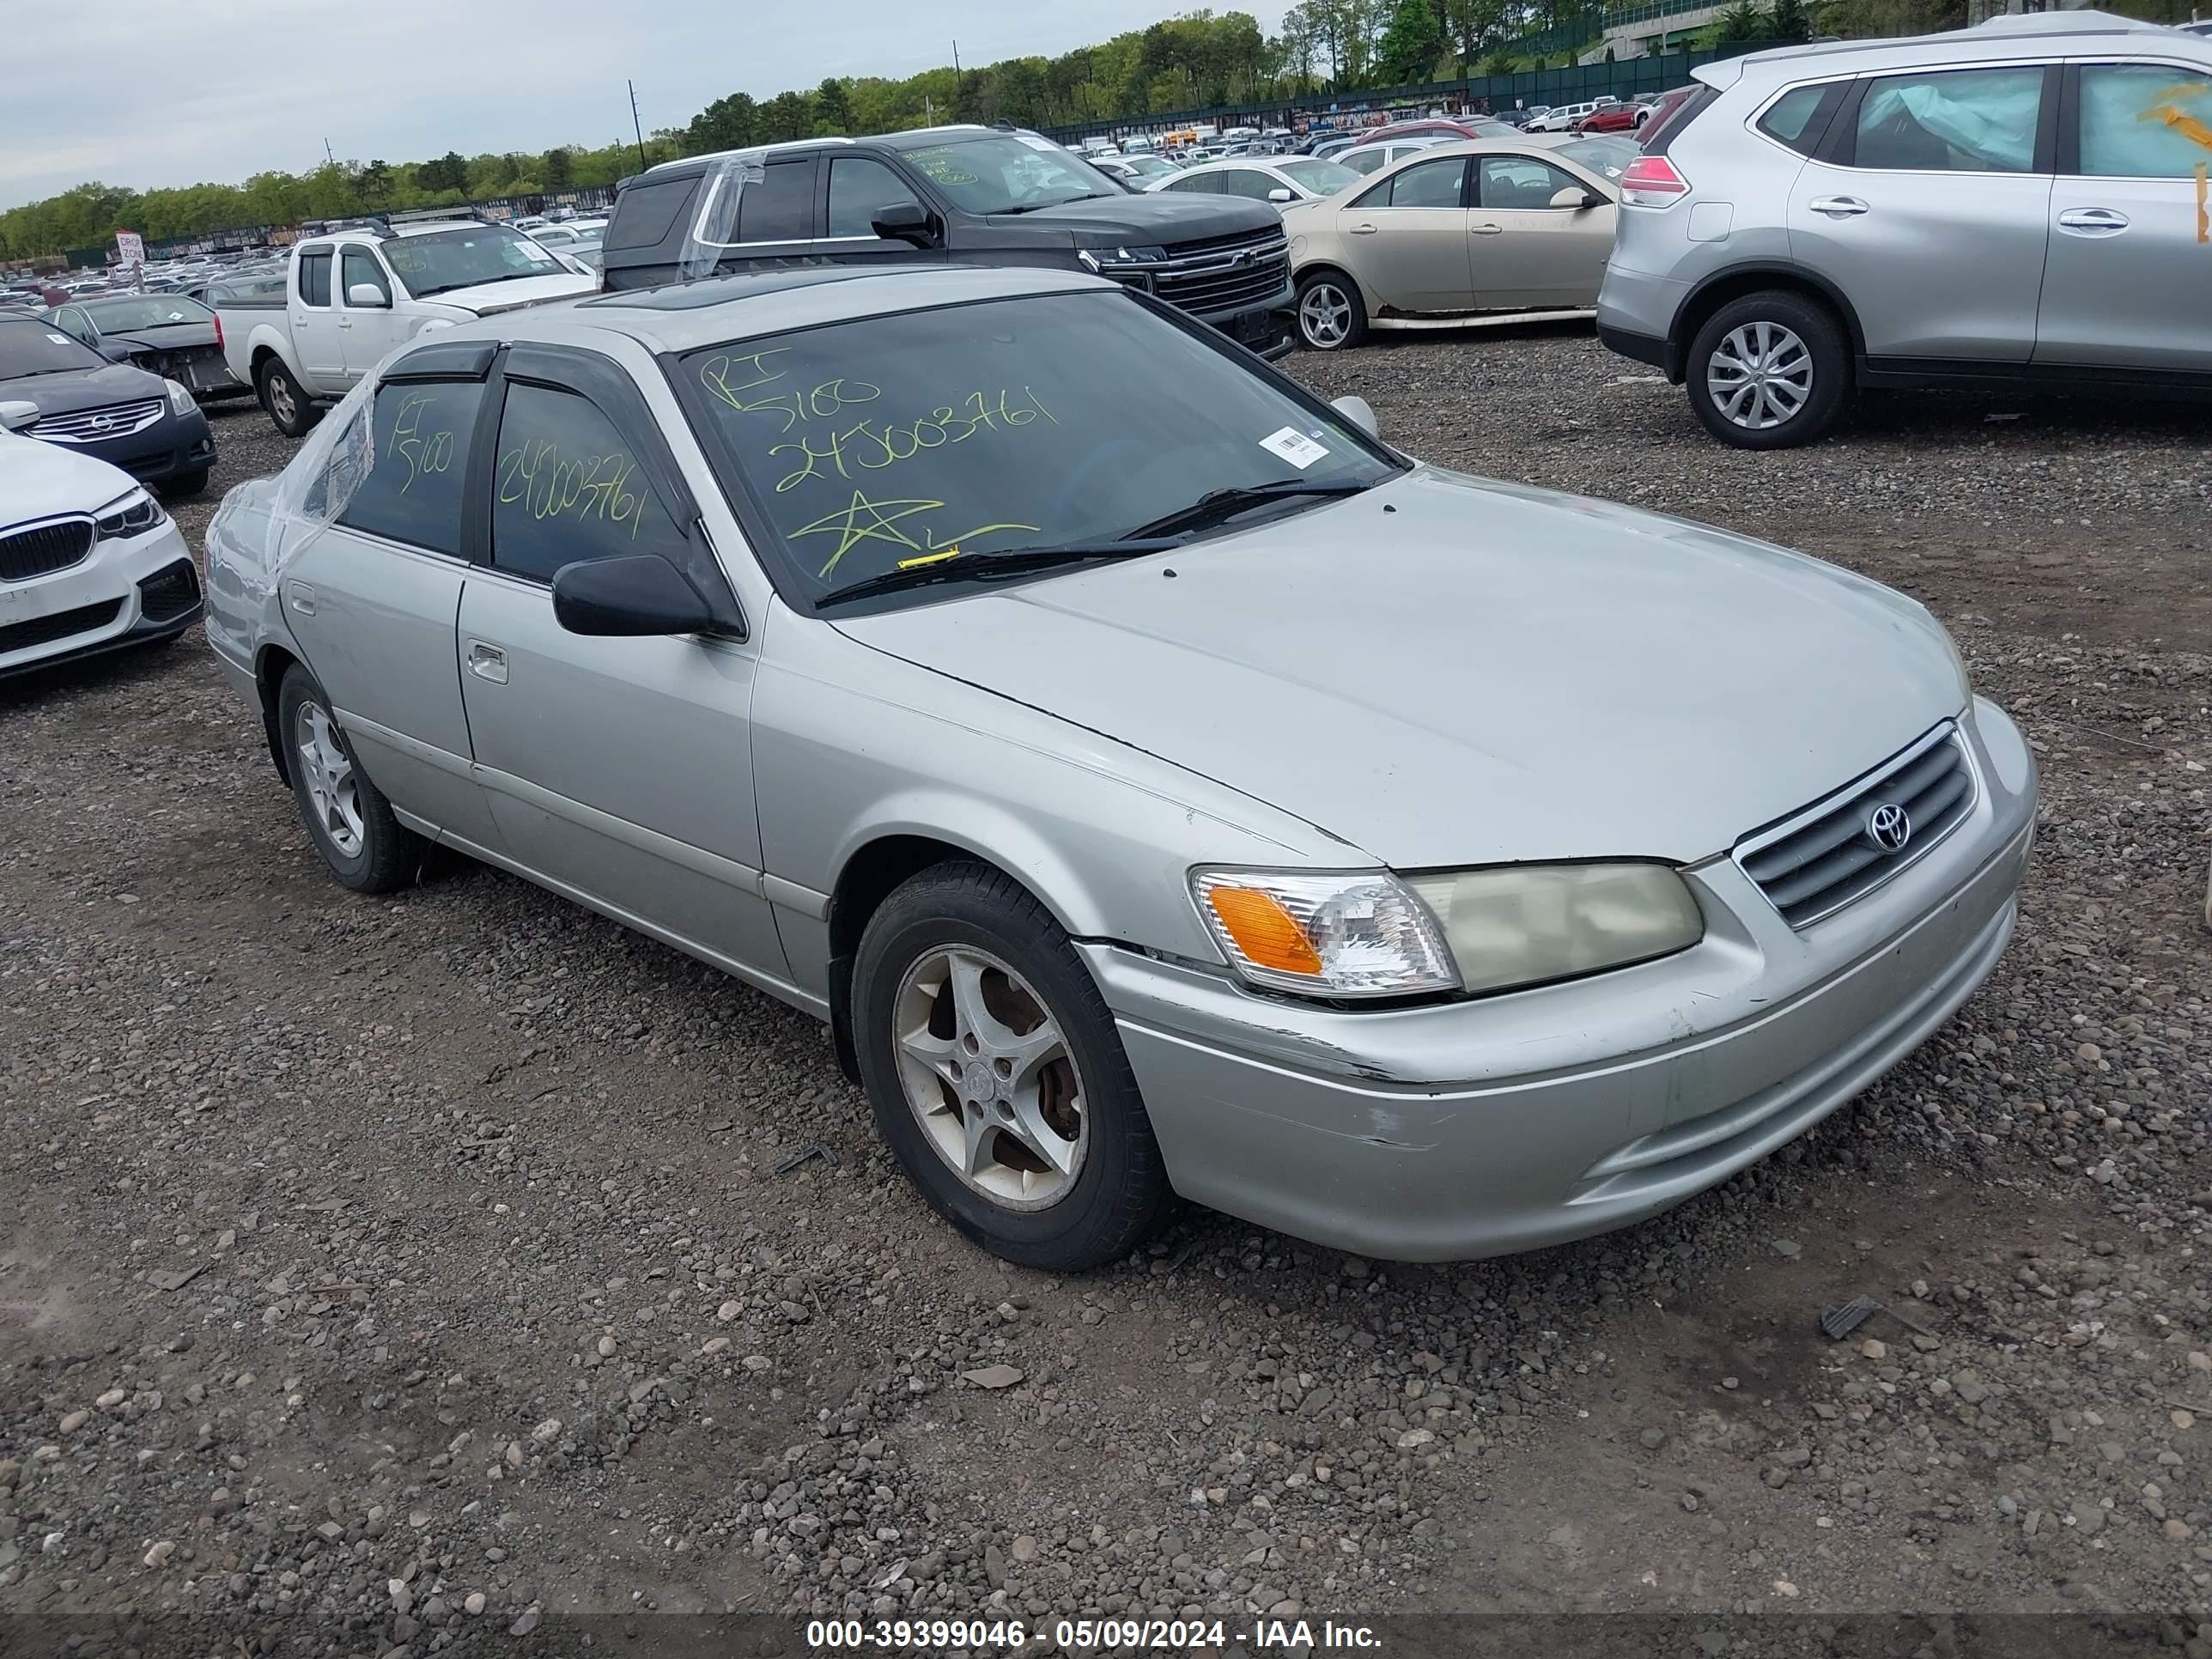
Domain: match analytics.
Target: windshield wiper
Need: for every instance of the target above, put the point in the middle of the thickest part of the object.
(1219, 504)
(483, 282)
(1032, 207)
(985, 566)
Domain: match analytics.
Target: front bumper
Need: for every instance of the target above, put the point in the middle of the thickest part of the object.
(1508, 1123)
(134, 592)
(1264, 328)
(179, 444)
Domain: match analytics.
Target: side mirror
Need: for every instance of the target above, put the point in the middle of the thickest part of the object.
(1575, 197)
(635, 596)
(17, 413)
(116, 351)
(1279, 196)
(905, 222)
(367, 296)
(1360, 412)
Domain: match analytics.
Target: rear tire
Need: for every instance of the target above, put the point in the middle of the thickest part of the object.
(1331, 315)
(366, 847)
(1017, 1085)
(283, 400)
(1769, 371)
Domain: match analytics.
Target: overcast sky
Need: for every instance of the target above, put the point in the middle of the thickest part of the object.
(147, 93)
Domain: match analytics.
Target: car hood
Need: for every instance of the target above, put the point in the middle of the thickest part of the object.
(1445, 670)
(83, 388)
(1162, 219)
(487, 298)
(38, 480)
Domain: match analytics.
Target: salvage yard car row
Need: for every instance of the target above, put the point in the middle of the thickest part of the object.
(1191, 795)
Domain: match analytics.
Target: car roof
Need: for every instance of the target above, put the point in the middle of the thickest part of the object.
(914, 138)
(2006, 35)
(747, 304)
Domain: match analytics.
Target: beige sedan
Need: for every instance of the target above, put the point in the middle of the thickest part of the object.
(1503, 230)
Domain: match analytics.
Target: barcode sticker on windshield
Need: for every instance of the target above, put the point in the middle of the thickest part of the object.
(1294, 446)
(1035, 142)
(58, 339)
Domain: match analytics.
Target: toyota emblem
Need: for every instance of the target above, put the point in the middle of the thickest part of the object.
(1888, 827)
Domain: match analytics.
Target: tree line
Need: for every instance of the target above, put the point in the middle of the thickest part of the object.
(1324, 47)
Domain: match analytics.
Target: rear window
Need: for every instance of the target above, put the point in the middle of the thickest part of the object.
(1799, 118)
(644, 213)
(1662, 128)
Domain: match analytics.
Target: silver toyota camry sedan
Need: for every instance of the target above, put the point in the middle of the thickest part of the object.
(1159, 783)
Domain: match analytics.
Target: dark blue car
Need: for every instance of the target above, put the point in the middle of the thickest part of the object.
(149, 425)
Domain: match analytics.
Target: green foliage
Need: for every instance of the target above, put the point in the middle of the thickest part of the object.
(1744, 20)
(1789, 20)
(560, 170)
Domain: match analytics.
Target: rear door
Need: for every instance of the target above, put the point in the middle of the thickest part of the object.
(771, 221)
(1406, 237)
(618, 769)
(316, 335)
(1927, 205)
(856, 188)
(1528, 253)
(372, 598)
(2129, 264)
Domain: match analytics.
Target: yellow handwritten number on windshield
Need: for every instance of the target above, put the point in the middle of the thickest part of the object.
(863, 521)
(433, 453)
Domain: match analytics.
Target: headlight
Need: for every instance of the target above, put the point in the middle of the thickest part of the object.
(1122, 259)
(128, 516)
(1356, 934)
(180, 398)
(1520, 925)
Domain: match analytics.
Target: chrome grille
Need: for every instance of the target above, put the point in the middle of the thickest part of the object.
(43, 548)
(1219, 273)
(1817, 861)
(92, 426)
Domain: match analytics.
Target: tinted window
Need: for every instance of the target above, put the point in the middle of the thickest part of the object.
(859, 186)
(565, 487)
(1789, 119)
(1955, 121)
(359, 265)
(421, 432)
(644, 213)
(1022, 422)
(2138, 121)
(1512, 182)
(778, 207)
(315, 278)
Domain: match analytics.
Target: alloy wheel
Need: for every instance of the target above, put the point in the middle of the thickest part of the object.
(989, 1076)
(1325, 316)
(327, 771)
(280, 398)
(1759, 375)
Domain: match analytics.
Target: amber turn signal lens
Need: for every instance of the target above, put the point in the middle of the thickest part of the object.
(1264, 931)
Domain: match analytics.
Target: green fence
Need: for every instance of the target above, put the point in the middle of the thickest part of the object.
(1575, 83)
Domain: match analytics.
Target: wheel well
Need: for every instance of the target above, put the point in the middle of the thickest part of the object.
(1337, 271)
(268, 671)
(1700, 307)
(261, 354)
(872, 875)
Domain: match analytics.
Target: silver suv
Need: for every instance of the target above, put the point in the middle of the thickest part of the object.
(2020, 202)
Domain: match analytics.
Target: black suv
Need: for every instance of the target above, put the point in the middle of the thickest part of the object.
(982, 195)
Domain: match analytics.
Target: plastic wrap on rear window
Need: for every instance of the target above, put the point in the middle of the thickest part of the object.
(714, 226)
(315, 487)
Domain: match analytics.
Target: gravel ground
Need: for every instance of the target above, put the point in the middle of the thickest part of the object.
(402, 1274)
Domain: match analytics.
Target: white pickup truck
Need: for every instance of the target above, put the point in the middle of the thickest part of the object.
(351, 295)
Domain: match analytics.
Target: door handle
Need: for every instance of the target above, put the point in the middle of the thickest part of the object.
(1362, 230)
(300, 597)
(1838, 207)
(345, 322)
(487, 662)
(2093, 222)
(1487, 230)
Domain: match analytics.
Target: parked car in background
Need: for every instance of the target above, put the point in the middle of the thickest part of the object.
(1459, 127)
(1139, 170)
(2014, 204)
(1367, 159)
(352, 295)
(1620, 117)
(166, 334)
(65, 392)
(1500, 231)
(228, 290)
(968, 193)
(1277, 178)
(1563, 117)
(88, 561)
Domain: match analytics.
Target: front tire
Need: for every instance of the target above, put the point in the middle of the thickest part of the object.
(282, 399)
(1332, 316)
(996, 1076)
(350, 821)
(1769, 371)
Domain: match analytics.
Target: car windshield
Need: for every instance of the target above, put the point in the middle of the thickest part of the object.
(1007, 172)
(1607, 157)
(447, 259)
(1321, 178)
(154, 311)
(894, 442)
(33, 347)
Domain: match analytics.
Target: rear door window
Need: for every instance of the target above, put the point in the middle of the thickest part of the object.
(1976, 120)
(413, 491)
(2144, 121)
(781, 207)
(1436, 184)
(315, 277)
